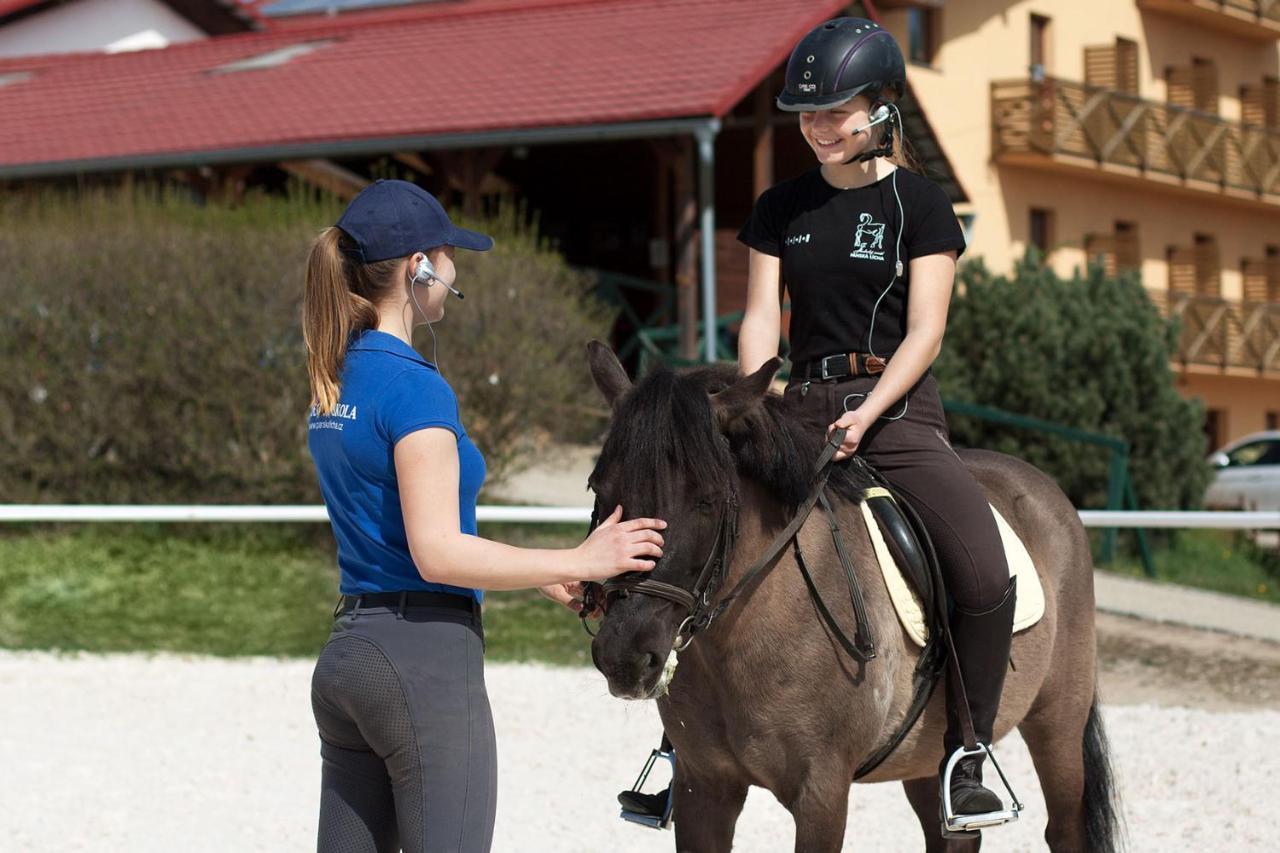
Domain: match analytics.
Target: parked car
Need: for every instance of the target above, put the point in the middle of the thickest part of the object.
(1247, 474)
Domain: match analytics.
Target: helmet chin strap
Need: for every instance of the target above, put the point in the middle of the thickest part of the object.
(885, 149)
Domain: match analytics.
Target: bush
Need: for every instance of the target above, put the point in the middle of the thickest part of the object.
(1091, 352)
(151, 347)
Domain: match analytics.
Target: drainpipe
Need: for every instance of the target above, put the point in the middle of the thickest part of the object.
(706, 136)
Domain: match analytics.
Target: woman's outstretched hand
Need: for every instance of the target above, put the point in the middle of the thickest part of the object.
(618, 546)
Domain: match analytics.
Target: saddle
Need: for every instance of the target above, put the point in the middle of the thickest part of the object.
(909, 582)
(914, 581)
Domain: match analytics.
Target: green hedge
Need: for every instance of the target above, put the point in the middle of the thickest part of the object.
(151, 349)
(1090, 352)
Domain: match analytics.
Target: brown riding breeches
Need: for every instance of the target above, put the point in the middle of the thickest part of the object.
(914, 454)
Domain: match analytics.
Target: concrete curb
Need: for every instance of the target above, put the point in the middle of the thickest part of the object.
(1181, 605)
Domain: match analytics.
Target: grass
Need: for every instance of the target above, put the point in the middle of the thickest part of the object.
(229, 589)
(1217, 560)
(245, 589)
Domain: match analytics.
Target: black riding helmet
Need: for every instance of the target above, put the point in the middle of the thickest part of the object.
(840, 59)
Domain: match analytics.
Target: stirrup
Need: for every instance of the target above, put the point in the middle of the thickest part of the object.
(648, 820)
(967, 825)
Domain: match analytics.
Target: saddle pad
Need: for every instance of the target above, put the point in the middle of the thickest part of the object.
(1030, 603)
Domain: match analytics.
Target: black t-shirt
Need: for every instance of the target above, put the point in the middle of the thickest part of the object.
(837, 249)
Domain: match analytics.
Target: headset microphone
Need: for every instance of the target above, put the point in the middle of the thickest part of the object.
(426, 271)
(880, 115)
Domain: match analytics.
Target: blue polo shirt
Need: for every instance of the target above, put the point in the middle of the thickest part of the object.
(388, 390)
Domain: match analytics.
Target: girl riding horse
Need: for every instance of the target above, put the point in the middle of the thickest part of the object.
(867, 250)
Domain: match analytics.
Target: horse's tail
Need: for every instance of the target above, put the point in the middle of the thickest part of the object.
(1103, 827)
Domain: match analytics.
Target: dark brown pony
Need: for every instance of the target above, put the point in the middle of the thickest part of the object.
(766, 695)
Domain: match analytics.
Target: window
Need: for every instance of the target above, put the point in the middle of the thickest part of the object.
(1207, 269)
(272, 58)
(1255, 453)
(1128, 252)
(1040, 230)
(1260, 103)
(1272, 420)
(1214, 428)
(1194, 88)
(1262, 276)
(1113, 66)
(922, 34)
(1100, 249)
(1039, 47)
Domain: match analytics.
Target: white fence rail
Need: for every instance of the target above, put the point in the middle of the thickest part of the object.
(547, 514)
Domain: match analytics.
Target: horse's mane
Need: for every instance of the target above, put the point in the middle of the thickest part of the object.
(664, 427)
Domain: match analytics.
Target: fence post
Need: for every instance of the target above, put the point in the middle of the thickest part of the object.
(1131, 499)
(1117, 477)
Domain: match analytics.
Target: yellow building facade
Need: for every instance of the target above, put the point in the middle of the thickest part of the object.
(1143, 133)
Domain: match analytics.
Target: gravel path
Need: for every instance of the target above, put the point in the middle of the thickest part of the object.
(163, 753)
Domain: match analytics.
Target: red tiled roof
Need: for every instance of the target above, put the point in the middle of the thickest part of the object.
(8, 7)
(492, 65)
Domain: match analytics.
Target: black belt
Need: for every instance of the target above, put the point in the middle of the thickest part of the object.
(839, 366)
(408, 598)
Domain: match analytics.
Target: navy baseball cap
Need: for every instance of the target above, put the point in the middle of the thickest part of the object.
(392, 219)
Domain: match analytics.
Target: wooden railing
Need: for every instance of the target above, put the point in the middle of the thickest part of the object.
(1059, 117)
(1233, 15)
(1221, 332)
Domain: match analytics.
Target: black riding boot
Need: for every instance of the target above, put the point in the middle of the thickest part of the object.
(648, 805)
(982, 643)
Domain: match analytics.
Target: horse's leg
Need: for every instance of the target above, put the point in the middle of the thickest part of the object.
(1054, 732)
(923, 796)
(706, 811)
(820, 807)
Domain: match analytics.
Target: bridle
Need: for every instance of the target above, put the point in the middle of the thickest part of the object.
(698, 602)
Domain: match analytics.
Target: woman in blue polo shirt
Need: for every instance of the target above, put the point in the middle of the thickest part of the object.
(406, 736)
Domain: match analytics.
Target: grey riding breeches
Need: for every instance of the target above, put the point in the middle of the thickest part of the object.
(406, 734)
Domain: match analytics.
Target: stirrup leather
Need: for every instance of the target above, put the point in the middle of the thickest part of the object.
(971, 823)
(648, 820)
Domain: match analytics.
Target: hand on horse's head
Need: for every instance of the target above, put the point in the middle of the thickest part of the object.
(616, 547)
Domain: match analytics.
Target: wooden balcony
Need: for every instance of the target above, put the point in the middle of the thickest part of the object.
(1254, 19)
(1234, 337)
(1071, 126)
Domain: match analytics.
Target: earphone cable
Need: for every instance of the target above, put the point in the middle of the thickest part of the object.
(893, 273)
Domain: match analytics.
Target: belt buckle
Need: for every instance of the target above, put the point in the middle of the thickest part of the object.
(822, 366)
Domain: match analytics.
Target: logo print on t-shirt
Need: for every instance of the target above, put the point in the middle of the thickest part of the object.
(868, 240)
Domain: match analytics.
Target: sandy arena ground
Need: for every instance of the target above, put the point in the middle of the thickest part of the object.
(163, 753)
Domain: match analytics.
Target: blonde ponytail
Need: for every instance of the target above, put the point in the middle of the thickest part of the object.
(338, 301)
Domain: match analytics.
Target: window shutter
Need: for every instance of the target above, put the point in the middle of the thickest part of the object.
(1204, 84)
(1100, 66)
(1207, 268)
(1182, 270)
(1253, 105)
(1101, 248)
(1126, 66)
(1128, 252)
(1180, 91)
(1254, 272)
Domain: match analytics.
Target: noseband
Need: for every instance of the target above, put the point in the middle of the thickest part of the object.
(698, 602)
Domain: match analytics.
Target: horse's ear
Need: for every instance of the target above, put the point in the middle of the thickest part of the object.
(744, 395)
(607, 372)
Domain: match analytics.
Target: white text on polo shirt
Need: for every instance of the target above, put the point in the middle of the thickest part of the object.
(341, 412)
